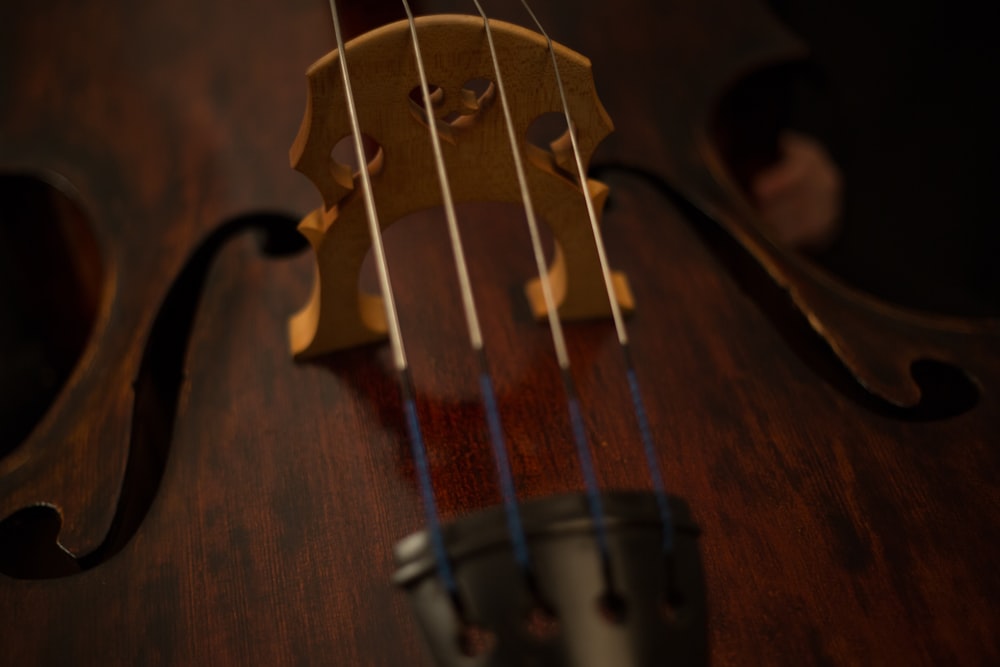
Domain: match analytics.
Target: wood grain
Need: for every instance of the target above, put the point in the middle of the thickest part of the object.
(835, 531)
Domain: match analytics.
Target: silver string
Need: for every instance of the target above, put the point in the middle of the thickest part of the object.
(558, 339)
(616, 312)
(645, 432)
(518, 538)
(374, 229)
(468, 302)
(421, 462)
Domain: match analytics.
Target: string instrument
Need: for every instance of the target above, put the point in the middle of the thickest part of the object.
(223, 461)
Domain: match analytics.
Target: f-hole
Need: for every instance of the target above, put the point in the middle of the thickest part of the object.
(52, 280)
(29, 547)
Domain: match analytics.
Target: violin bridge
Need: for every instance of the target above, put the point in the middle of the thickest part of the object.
(479, 162)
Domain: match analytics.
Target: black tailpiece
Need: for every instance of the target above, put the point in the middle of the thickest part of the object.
(563, 614)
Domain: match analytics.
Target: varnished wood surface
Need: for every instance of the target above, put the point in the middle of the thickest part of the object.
(160, 148)
(834, 532)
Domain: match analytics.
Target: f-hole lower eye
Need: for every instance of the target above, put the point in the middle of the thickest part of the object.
(345, 159)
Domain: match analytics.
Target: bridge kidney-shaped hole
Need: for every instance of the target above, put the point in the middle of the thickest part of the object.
(478, 93)
(475, 96)
(345, 158)
(548, 129)
(549, 144)
(51, 281)
(436, 93)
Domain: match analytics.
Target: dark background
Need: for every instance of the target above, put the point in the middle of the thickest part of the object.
(906, 98)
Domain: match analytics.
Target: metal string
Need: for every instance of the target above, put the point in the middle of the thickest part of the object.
(518, 539)
(558, 339)
(638, 405)
(395, 338)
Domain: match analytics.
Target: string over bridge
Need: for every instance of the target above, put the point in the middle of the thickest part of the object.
(338, 315)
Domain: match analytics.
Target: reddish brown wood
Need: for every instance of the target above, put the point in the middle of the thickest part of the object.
(835, 530)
